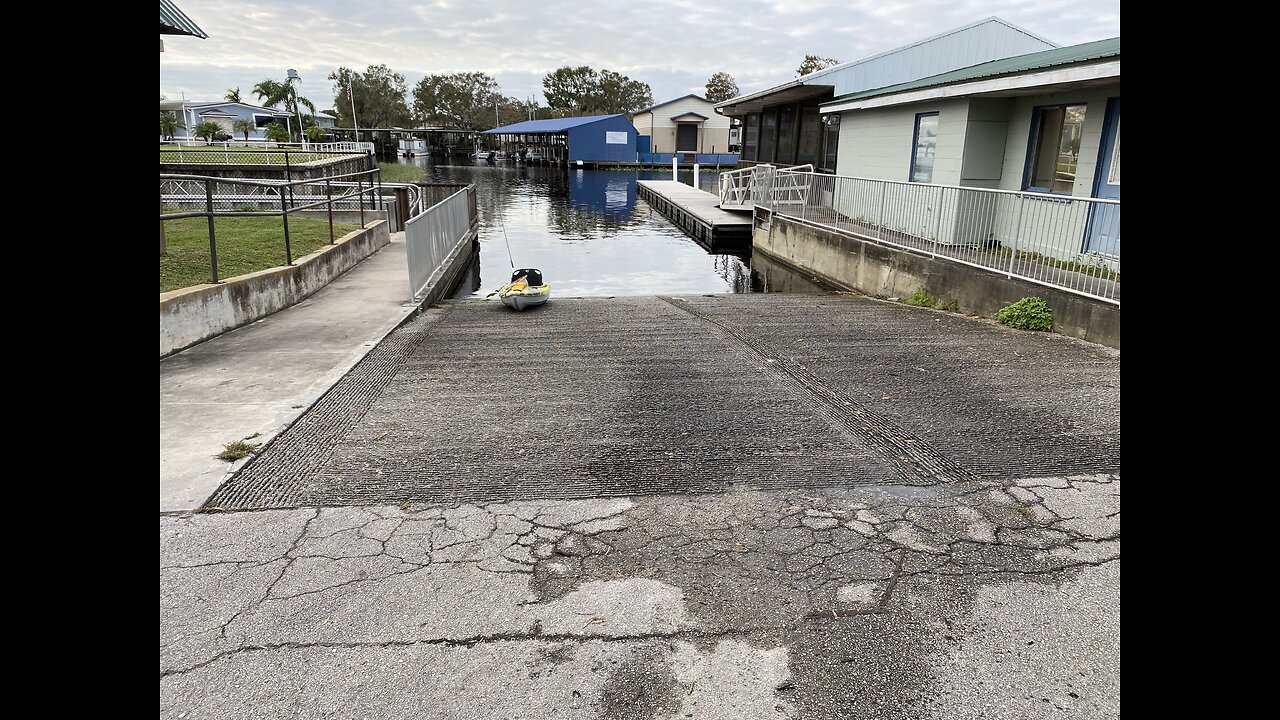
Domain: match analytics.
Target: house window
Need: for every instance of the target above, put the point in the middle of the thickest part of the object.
(263, 120)
(768, 135)
(810, 136)
(786, 134)
(1114, 177)
(926, 147)
(750, 136)
(831, 142)
(1055, 144)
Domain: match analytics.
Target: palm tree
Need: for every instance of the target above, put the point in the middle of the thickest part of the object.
(232, 95)
(169, 124)
(207, 130)
(244, 125)
(272, 92)
(276, 133)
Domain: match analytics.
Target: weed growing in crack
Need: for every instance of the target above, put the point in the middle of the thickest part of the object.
(236, 450)
(922, 299)
(1029, 313)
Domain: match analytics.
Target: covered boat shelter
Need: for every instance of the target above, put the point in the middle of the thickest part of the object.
(589, 141)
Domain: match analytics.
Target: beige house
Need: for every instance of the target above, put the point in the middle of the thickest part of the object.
(687, 124)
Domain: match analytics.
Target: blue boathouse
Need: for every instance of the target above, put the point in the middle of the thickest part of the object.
(578, 141)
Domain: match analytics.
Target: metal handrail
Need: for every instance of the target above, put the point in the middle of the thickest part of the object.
(266, 183)
(735, 185)
(1062, 241)
(285, 190)
(1030, 193)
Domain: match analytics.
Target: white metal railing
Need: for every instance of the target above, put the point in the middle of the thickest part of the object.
(792, 187)
(345, 146)
(348, 146)
(432, 235)
(184, 194)
(1068, 242)
(227, 154)
(736, 191)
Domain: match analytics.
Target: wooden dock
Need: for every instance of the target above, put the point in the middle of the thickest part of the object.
(696, 212)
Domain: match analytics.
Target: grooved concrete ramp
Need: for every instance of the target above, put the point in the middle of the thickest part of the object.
(638, 396)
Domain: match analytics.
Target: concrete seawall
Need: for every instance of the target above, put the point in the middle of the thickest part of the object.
(867, 267)
(194, 314)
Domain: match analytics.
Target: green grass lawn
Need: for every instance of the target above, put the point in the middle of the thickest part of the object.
(401, 173)
(245, 245)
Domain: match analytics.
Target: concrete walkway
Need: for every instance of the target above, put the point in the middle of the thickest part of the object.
(256, 380)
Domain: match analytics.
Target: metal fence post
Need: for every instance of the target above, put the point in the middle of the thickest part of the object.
(1022, 203)
(288, 173)
(213, 245)
(360, 182)
(884, 187)
(328, 193)
(937, 222)
(284, 214)
(162, 221)
(378, 195)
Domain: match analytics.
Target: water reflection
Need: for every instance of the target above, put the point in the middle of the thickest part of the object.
(769, 275)
(588, 233)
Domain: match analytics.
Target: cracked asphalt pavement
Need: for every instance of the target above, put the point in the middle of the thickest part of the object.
(925, 524)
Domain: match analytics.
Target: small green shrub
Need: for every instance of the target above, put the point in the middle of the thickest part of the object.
(1029, 313)
(950, 305)
(237, 450)
(922, 299)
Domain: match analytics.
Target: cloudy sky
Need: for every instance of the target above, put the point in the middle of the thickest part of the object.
(673, 45)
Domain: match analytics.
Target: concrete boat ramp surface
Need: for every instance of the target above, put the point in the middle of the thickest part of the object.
(744, 506)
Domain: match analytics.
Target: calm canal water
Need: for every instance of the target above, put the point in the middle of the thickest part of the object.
(591, 235)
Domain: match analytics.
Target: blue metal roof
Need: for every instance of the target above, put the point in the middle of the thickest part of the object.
(554, 125)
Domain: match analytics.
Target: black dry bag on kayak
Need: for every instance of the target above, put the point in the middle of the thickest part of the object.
(531, 275)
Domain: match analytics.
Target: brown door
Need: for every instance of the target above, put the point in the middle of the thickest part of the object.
(686, 137)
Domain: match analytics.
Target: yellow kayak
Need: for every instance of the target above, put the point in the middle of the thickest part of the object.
(519, 294)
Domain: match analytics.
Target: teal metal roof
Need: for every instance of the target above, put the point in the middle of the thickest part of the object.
(1073, 54)
(175, 22)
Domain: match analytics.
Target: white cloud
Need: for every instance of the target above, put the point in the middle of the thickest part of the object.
(673, 45)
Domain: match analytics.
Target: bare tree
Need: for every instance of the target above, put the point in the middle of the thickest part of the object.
(814, 63)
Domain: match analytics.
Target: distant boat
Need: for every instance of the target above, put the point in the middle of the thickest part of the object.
(526, 289)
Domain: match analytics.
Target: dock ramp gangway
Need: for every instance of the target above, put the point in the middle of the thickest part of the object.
(742, 189)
